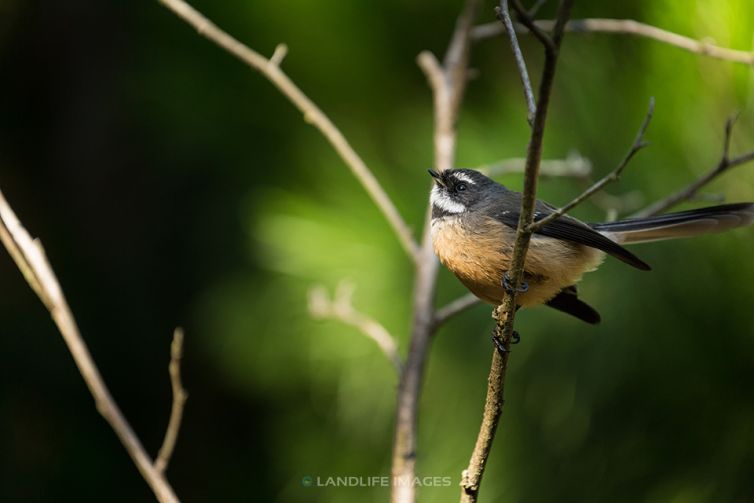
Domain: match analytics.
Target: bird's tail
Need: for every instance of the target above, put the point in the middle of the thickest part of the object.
(678, 225)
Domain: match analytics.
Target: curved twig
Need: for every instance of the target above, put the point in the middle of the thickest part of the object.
(627, 27)
(637, 145)
(31, 259)
(312, 114)
(691, 190)
(341, 308)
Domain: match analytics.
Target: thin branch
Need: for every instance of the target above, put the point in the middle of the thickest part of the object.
(312, 114)
(627, 27)
(448, 84)
(691, 190)
(31, 260)
(637, 145)
(455, 307)
(573, 166)
(504, 16)
(506, 312)
(341, 308)
(179, 401)
(471, 477)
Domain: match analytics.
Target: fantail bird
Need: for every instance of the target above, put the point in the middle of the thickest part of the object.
(474, 221)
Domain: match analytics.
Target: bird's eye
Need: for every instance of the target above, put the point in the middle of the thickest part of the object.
(461, 187)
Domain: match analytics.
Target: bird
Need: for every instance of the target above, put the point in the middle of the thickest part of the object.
(473, 228)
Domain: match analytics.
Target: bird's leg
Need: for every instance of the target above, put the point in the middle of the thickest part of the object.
(508, 286)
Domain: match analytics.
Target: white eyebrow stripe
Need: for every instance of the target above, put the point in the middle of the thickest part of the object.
(464, 178)
(445, 203)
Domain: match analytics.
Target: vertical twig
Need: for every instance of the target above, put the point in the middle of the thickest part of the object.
(505, 313)
(471, 478)
(504, 15)
(448, 83)
(179, 401)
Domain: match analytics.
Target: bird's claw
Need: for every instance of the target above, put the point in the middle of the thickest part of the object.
(498, 342)
(507, 284)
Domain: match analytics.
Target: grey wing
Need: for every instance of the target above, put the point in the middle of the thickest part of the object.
(570, 229)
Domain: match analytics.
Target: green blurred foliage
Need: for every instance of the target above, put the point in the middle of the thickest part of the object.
(171, 184)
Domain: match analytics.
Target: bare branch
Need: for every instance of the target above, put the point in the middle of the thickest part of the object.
(341, 308)
(31, 260)
(454, 308)
(504, 16)
(312, 113)
(573, 166)
(471, 477)
(637, 145)
(179, 401)
(432, 69)
(448, 84)
(691, 190)
(628, 27)
(505, 313)
(445, 89)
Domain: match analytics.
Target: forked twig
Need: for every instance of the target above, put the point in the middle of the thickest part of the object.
(448, 83)
(471, 477)
(312, 114)
(637, 145)
(31, 260)
(691, 190)
(341, 308)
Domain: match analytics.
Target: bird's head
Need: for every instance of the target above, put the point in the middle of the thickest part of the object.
(458, 191)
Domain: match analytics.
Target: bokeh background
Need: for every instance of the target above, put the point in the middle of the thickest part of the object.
(173, 186)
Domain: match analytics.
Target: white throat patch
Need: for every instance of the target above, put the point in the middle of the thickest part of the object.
(444, 202)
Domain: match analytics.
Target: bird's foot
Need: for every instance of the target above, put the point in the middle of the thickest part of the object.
(508, 285)
(498, 342)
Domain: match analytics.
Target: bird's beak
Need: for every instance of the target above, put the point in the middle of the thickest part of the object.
(438, 179)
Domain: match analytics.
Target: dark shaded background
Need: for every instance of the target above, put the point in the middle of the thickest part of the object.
(173, 186)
